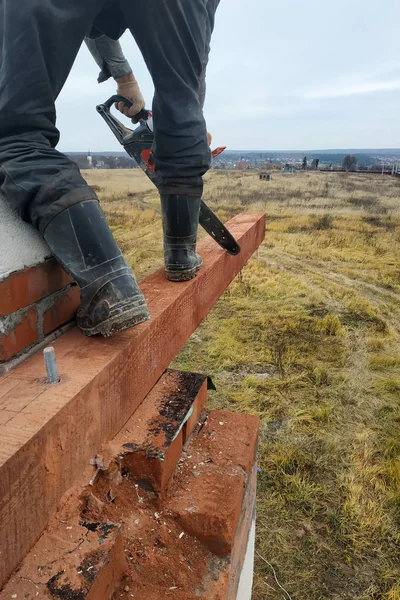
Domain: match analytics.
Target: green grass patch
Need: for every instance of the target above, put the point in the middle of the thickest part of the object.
(307, 337)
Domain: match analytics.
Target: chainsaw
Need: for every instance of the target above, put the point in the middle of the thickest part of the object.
(138, 143)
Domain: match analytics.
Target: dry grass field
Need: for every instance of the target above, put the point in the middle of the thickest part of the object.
(307, 337)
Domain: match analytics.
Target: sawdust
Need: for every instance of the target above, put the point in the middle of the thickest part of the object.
(156, 552)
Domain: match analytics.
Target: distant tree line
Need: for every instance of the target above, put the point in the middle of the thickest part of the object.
(314, 164)
(363, 160)
(349, 163)
(100, 161)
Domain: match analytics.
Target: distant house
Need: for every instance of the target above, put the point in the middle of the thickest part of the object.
(265, 177)
(289, 169)
(241, 164)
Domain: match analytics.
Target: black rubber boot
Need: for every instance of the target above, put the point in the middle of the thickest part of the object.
(180, 216)
(82, 242)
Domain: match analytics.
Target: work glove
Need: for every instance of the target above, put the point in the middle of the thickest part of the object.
(131, 91)
(209, 138)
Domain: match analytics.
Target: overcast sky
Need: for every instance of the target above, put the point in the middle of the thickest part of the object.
(283, 75)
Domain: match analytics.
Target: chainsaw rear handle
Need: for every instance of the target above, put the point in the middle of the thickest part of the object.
(120, 131)
(142, 115)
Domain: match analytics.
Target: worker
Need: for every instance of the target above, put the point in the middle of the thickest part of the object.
(39, 43)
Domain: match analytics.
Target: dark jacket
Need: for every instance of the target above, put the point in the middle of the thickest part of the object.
(109, 22)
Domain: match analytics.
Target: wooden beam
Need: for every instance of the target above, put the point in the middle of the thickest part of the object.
(56, 429)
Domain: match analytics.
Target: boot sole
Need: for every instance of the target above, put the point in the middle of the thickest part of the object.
(125, 320)
(183, 275)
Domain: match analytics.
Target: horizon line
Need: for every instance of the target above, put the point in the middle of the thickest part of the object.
(327, 150)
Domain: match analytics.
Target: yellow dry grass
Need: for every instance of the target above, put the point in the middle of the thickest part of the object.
(307, 338)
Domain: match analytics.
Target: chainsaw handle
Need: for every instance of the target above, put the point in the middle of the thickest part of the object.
(142, 115)
(116, 98)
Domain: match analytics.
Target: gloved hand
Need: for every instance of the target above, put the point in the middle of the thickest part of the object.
(131, 91)
(209, 138)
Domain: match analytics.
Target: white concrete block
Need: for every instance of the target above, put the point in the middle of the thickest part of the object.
(20, 244)
(246, 578)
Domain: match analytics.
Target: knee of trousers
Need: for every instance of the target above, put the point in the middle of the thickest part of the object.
(46, 211)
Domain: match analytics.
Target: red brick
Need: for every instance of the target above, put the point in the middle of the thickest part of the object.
(23, 288)
(152, 592)
(208, 491)
(238, 433)
(214, 590)
(197, 408)
(155, 471)
(63, 310)
(23, 335)
(150, 444)
(239, 549)
(71, 561)
(210, 508)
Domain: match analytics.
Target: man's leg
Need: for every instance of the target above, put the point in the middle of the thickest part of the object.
(174, 39)
(40, 40)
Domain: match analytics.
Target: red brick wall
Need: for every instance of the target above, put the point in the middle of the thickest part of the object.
(34, 303)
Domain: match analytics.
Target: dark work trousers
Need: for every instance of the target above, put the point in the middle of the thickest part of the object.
(38, 45)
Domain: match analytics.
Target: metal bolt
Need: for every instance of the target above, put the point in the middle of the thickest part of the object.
(51, 366)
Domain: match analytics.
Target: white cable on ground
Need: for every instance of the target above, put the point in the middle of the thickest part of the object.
(276, 579)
